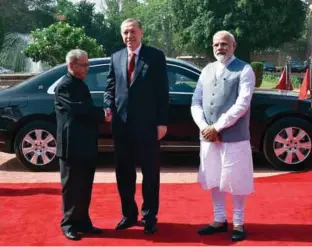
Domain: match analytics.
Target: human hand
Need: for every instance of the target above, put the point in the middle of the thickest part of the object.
(210, 134)
(108, 114)
(161, 131)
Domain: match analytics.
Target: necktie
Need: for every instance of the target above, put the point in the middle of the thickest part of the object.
(131, 66)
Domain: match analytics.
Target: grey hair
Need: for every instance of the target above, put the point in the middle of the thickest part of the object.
(74, 55)
(224, 32)
(131, 20)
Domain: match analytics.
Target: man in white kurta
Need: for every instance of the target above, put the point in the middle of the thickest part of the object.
(221, 110)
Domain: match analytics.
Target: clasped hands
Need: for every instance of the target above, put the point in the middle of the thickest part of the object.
(210, 134)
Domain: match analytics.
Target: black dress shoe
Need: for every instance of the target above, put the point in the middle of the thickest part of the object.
(208, 230)
(94, 230)
(150, 228)
(126, 223)
(238, 235)
(72, 235)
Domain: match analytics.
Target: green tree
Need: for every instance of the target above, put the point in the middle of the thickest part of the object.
(82, 14)
(115, 12)
(156, 17)
(22, 16)
(50, 45)
(256, 24)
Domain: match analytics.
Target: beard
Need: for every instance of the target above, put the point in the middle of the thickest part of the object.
(221, 57)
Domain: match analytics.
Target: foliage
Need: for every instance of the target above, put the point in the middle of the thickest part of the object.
(258, 70)
(22, 16)
(82, 14)
(51, 44)
(270, 80)
(178, 27)
(156, 16)
(255, 24)
(296, 81)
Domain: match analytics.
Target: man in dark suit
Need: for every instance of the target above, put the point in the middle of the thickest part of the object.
(77, 125)
(136, 100)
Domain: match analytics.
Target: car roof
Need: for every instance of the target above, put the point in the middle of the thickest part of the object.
(106, 60)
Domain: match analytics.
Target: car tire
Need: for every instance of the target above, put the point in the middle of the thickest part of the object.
(34, 152)
(287, 144)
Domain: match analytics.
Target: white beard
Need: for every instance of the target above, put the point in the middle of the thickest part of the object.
(221, 58)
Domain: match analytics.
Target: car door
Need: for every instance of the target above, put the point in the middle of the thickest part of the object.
(182, 132)
(96, 81)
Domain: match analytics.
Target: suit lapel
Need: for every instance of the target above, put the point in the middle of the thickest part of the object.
(124, 65)
(140, 64)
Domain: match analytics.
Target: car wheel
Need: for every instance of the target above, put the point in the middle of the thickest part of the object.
(287, 144)
(35, 146)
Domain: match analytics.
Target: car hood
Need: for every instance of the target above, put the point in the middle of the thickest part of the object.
(276, 92)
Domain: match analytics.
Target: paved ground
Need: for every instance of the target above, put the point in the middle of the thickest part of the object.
(175, 168)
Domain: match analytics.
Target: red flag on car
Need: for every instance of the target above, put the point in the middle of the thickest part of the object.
(305, 86)
(282, 82)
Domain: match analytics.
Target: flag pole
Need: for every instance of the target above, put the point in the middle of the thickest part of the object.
(310, 77)
(288, 72)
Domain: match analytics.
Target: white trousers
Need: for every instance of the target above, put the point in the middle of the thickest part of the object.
(218, 198)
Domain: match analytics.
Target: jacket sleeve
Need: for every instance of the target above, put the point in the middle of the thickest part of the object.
(66, 101)
(162, 90)
(109, 94)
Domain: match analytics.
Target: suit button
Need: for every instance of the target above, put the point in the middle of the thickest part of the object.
(215, 84)
(213, 94)
(211, 103)
(211, 113)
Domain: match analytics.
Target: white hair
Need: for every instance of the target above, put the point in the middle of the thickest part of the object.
(129, 20)
(74, 55)
(226, 33)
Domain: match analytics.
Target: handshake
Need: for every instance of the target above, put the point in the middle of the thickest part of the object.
(210, 134)
(108, 114)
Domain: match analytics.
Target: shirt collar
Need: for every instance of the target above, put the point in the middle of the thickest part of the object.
(137, 50)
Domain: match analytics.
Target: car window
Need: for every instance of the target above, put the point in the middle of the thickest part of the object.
(96, 79)
(181, 79)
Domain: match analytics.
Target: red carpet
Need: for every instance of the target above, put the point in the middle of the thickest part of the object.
(279, 213)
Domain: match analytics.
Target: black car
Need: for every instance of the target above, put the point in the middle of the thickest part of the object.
(298, 66)
(281, 126)
(269, 67)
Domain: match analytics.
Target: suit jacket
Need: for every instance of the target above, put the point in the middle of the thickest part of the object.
(77, 120)
(144, 104)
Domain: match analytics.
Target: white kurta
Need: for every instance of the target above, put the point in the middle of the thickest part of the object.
(228, 166)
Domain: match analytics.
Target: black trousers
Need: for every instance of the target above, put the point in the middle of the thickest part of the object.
(143, 150)
(77, 179)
